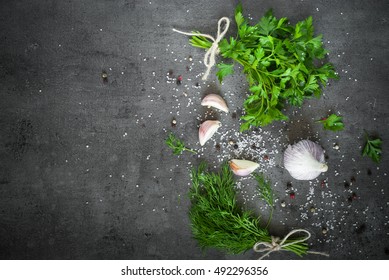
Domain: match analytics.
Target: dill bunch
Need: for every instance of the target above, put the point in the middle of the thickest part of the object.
(217, 220)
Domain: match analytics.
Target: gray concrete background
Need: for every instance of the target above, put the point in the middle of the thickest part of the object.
(84, 172)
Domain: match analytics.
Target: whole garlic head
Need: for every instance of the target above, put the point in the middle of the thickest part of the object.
(305, 160)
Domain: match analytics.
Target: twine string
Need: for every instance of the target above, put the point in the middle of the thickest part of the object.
(210, 55)
(276, 245)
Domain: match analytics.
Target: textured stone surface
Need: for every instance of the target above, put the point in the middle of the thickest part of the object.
(84, 172)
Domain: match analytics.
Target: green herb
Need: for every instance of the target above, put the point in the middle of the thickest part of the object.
(177, 145)
(280, 62)
(265, 192)
(373, 148)
(217, 220)
(332, 122)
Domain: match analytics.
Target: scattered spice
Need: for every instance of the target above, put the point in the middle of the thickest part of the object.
(361, 229)
(174, 122)
(288, 185)
(354, 196)
(346, 185)
(104, 76)
(369, 172)
(179, 80)
(217, 146)
(292, 195)
(266, 157)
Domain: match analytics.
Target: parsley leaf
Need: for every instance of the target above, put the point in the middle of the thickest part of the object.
(282, 64)
(373, 148)
(332, 122)
(177, 145)
(224, 70)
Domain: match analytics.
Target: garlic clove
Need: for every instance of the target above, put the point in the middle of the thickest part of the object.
(305, 160)
(243, 167)
(216, 101)
(207, 130)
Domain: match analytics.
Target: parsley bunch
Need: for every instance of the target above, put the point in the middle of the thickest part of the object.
(280, 61)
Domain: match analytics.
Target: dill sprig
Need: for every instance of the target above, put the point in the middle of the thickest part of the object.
(265, 192)
(177, 145)
(216, 219)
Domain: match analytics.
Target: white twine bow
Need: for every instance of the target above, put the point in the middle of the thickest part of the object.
(209, 57)
(275, 245)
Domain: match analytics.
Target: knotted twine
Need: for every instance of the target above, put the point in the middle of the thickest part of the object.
(275, 245)
(209, 57)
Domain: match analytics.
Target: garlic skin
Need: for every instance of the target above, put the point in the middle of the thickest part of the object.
(243, 167)
(207, 130)
(305, 160)
(216, 101)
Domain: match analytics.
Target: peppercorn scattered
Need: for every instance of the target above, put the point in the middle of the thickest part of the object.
(179, 80)
(369, 171)
(217, 146)
(104, 76)
(174, 122)
(346, 185)
(266, 157)
(288, 185)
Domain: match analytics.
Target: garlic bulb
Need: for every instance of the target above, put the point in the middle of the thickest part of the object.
(305, 160)
(207, 130)
(214, 100)
(242, 167)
